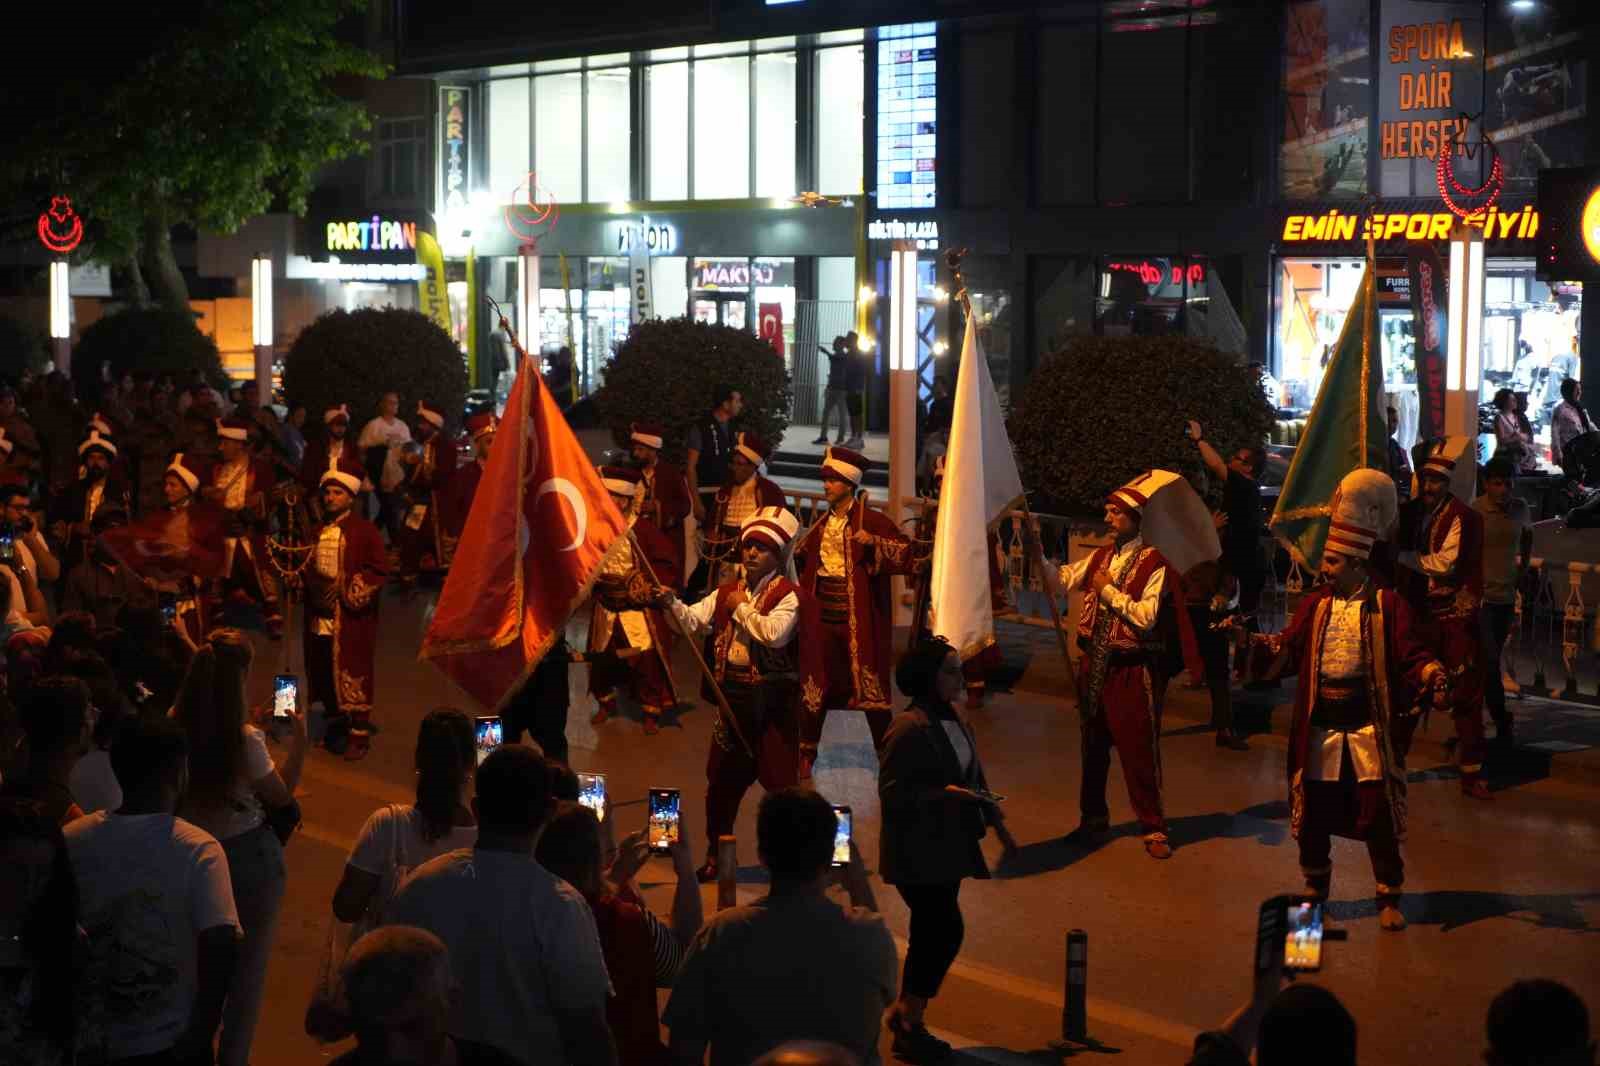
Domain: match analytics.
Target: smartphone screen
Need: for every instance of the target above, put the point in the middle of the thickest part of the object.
(169, 614)
(592, 793)
(841, 836)
(1302, 943)
(487, 735)
(662, 831)
(8, 547)
(285, 692)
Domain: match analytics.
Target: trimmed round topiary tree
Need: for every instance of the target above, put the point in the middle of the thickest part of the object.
(153, 339)
(22, 347)
(665, 371)
(1105, 409)
(354, 357)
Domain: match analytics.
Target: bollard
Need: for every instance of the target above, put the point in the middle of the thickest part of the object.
(1074, 1008)
(727, 872)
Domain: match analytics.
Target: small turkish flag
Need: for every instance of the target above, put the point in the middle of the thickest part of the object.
(540, 528)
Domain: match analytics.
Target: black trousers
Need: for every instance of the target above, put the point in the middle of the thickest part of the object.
(1497, 619)
(540, 708)
(1213, 648)
(935, 936)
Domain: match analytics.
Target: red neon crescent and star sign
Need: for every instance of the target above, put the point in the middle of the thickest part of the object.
(60, 228)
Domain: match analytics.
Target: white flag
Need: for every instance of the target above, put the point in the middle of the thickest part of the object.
(980, 484)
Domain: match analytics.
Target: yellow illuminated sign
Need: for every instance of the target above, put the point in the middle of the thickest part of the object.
(1424, 226)
(1591, 225)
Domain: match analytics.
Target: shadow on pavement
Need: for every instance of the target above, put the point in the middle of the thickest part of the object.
(1267, 823)
(1453, 909)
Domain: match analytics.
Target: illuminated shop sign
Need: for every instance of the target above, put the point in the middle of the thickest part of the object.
(925, 231)
(1160, 272)
(375, 234)
(1407, 225)
(660, 238)
(455, 158)
(1421, 89)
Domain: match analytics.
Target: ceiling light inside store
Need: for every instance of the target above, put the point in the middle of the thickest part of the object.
(621, 207)
(1523, 5)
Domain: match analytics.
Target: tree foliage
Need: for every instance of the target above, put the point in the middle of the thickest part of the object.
(665, 371)
(183, 114)
(1105, 409)
(354, 357)
(22, 347)
(153, 339)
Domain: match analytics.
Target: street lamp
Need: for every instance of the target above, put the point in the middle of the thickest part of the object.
(1462, 374)
(61, 315)
(902, 389)
(528, 298)
(261, 322)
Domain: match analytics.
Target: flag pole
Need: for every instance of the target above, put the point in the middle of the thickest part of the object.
(953, 259)
(722, 700)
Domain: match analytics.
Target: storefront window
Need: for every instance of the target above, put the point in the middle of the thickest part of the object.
(669, 276)
(608, 311)
(1535, 87)
(1529, 332)
(722, 128)
(667, 136)
(508, 135)
(1146, 295)
(558, 118)
(1327, 99)
(1064, 293)
(840, 94)
(774, 112)
(609, 131)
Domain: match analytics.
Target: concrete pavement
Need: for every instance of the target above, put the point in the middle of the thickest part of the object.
(1496, 890)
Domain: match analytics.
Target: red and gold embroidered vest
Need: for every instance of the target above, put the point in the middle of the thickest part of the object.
(1460, 593)
(764, 661)
(1121, 636)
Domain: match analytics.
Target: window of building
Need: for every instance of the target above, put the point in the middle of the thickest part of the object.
(774, 124)
(841, 94)
(1327, 96)
(667, 134)
(558, 133)
(609, 133)
(510, 122)
(722, 128)
(400, 153)
(907, 115)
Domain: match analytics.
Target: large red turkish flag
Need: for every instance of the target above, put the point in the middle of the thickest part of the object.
(540, 527)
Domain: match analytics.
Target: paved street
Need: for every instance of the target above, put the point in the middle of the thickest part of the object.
(1495, 890)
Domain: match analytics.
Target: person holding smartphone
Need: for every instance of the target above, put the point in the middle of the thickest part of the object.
(936, 808)
(1351, 725)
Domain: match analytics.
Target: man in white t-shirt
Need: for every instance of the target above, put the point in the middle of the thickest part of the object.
(523, 943)
(388, 432)
(157, 904)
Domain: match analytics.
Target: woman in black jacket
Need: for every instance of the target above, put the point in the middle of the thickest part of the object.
(936, 808)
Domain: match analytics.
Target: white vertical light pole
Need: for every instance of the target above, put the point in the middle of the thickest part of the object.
(528, 301)
(1463, 374)
(61, 315)
(902, 396)
(261, 322)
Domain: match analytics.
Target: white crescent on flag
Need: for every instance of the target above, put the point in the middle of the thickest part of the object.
(570, 492)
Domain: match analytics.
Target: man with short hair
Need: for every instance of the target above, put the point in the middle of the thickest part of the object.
(34, 562)
(1568, 421)
(54, 712)
(856, 366)
(835, 396)
(793, 965)
(343, 580)
(522, 942)
(710, 447)
(156, 902)
(381, 442)
(1507, 547)
(397, 983)
(1538, 1022)
(102, 585)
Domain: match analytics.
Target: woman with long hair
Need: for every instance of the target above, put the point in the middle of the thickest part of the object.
(641, 954)
(398, 838)
(1509, 437)
(40, 945)
(232, 783)
(936, 808)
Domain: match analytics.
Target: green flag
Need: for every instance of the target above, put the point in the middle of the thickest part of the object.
(1348, 429)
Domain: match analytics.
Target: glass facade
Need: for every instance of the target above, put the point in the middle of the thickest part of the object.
(908, 116)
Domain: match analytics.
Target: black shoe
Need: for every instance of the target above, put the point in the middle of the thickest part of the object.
(915, 1044)
(1227, 738)
(821, 440)
(1089, 834)
(707, 873)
